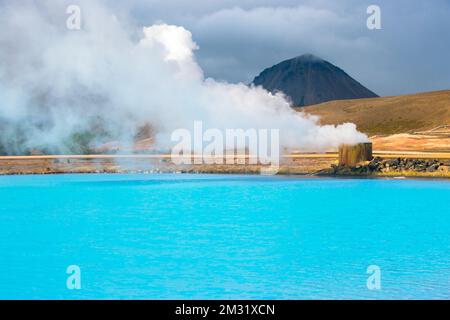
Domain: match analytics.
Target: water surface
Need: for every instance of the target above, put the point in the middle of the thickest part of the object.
(223, 236)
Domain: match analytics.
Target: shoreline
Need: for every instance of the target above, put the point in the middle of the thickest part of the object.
(300, 175)
(320, 165)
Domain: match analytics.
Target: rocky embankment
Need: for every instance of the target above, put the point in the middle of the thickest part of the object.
(299, 166)
(394, 167)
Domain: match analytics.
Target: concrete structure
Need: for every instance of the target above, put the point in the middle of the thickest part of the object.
(351, 155)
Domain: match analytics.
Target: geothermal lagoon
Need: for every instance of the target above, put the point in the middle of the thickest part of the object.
(169, 236)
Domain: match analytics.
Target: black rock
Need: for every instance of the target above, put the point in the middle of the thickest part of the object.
(308, 80)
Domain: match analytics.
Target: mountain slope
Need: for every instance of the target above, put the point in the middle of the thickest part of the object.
(388, 115)
(309, 80)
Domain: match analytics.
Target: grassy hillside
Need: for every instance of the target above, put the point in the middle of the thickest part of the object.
(388, 115)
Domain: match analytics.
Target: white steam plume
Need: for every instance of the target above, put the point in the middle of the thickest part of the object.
(104, 82)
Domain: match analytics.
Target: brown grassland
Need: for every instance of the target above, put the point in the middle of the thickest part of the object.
(416, 122)
(388, 115)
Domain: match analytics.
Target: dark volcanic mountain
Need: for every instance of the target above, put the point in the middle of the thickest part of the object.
(308, 80)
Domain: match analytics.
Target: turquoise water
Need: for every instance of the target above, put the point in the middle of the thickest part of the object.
(224, 237)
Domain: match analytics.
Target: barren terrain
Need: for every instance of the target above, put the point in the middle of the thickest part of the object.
(416, 122)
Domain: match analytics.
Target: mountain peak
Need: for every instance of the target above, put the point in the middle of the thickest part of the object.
(308, 79)
(307, 57)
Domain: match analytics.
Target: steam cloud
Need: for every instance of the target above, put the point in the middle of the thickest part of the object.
(62, 90)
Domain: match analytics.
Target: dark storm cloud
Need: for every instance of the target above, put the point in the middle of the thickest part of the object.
(238, 39)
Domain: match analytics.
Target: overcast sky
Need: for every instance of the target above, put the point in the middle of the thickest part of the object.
(238, 39)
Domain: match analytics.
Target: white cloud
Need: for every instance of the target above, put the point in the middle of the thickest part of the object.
(239, 38)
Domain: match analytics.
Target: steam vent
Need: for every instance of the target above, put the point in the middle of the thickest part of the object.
(351, 155)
